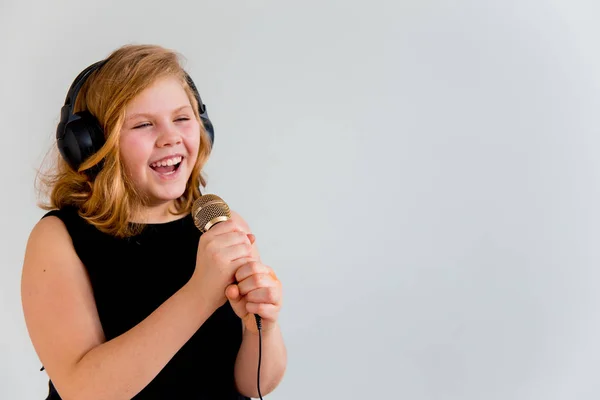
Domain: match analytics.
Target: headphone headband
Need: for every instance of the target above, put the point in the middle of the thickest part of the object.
(79, 81)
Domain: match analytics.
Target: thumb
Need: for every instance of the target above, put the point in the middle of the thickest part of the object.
(251, 237)
(232, 292)
(237, 302)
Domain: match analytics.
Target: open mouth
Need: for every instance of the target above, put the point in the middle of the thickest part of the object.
(167, 166)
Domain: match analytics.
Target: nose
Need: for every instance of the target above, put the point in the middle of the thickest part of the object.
(168, 137)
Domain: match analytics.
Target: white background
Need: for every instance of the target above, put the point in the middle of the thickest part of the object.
(423, 175)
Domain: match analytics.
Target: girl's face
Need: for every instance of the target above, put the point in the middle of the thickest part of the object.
(159, 141)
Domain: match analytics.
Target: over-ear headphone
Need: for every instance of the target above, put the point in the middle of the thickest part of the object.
(79, 135)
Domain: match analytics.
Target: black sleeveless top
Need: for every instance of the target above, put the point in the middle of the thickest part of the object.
(132, 277)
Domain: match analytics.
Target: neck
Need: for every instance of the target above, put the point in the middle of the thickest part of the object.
(157, 214)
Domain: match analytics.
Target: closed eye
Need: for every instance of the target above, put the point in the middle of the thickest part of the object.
(145, 124)
(142, 125)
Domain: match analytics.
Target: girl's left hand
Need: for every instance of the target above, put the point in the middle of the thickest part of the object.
(257, 291)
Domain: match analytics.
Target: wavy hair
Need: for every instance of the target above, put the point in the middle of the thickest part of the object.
(108, 200)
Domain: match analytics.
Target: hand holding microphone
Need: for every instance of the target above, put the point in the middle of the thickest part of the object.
(252, 288)
(223, 248)
(258, 292)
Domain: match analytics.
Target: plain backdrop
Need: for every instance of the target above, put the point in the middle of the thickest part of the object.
(422, 174)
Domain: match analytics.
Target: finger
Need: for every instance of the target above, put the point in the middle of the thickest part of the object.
(223, 227)
(220, 246)
(266, 311)
(270, 295)
(256, 281)
(251, 268)
(237, 252)
(240, 221)
(273, 275)
(228, 239)
(232, 292)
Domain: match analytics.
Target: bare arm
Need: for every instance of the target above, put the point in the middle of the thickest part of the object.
(274, 354)
(273, 363)
(64, 327)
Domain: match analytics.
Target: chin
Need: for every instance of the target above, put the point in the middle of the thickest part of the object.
(168, 193)
(160, 188)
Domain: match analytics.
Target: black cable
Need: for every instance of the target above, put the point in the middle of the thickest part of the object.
(259, 326)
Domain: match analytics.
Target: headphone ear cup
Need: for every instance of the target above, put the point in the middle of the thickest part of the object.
(202, 110)
(209, 128)
(83, 136)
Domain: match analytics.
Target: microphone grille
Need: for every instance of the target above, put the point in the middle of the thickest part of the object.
(208, 210)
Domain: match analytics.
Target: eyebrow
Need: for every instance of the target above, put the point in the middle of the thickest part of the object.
(145, 115)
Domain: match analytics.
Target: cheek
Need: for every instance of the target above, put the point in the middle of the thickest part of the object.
(134, 154)
(193, 146)
(192, 141)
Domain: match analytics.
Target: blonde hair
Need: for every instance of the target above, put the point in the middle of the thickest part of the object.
(109, 200)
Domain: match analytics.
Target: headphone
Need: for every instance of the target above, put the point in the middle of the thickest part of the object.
(79, 135)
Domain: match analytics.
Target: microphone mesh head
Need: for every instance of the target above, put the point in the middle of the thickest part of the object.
(209, 209)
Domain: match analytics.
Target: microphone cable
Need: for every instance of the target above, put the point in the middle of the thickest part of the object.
(259, 326)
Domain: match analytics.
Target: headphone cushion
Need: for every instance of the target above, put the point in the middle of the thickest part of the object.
(83, 136)
(209, 128)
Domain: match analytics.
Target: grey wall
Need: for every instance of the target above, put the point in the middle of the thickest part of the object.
(423, 176)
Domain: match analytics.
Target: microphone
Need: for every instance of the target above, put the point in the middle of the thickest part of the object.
(207, 211)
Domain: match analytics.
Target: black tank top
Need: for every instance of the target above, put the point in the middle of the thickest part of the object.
(132, 277)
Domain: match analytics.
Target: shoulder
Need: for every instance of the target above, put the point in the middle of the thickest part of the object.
(48, 237)
(50, 227)
(64, 214)
(67, 220)
(50, 262)
(237, 218)
(51, 240)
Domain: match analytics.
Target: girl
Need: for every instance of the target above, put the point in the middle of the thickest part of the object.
(123, 296)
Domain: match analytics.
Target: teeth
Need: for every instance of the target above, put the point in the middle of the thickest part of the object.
(167, 162)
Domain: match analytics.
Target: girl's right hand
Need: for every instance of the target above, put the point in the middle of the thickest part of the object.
(221, 251)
